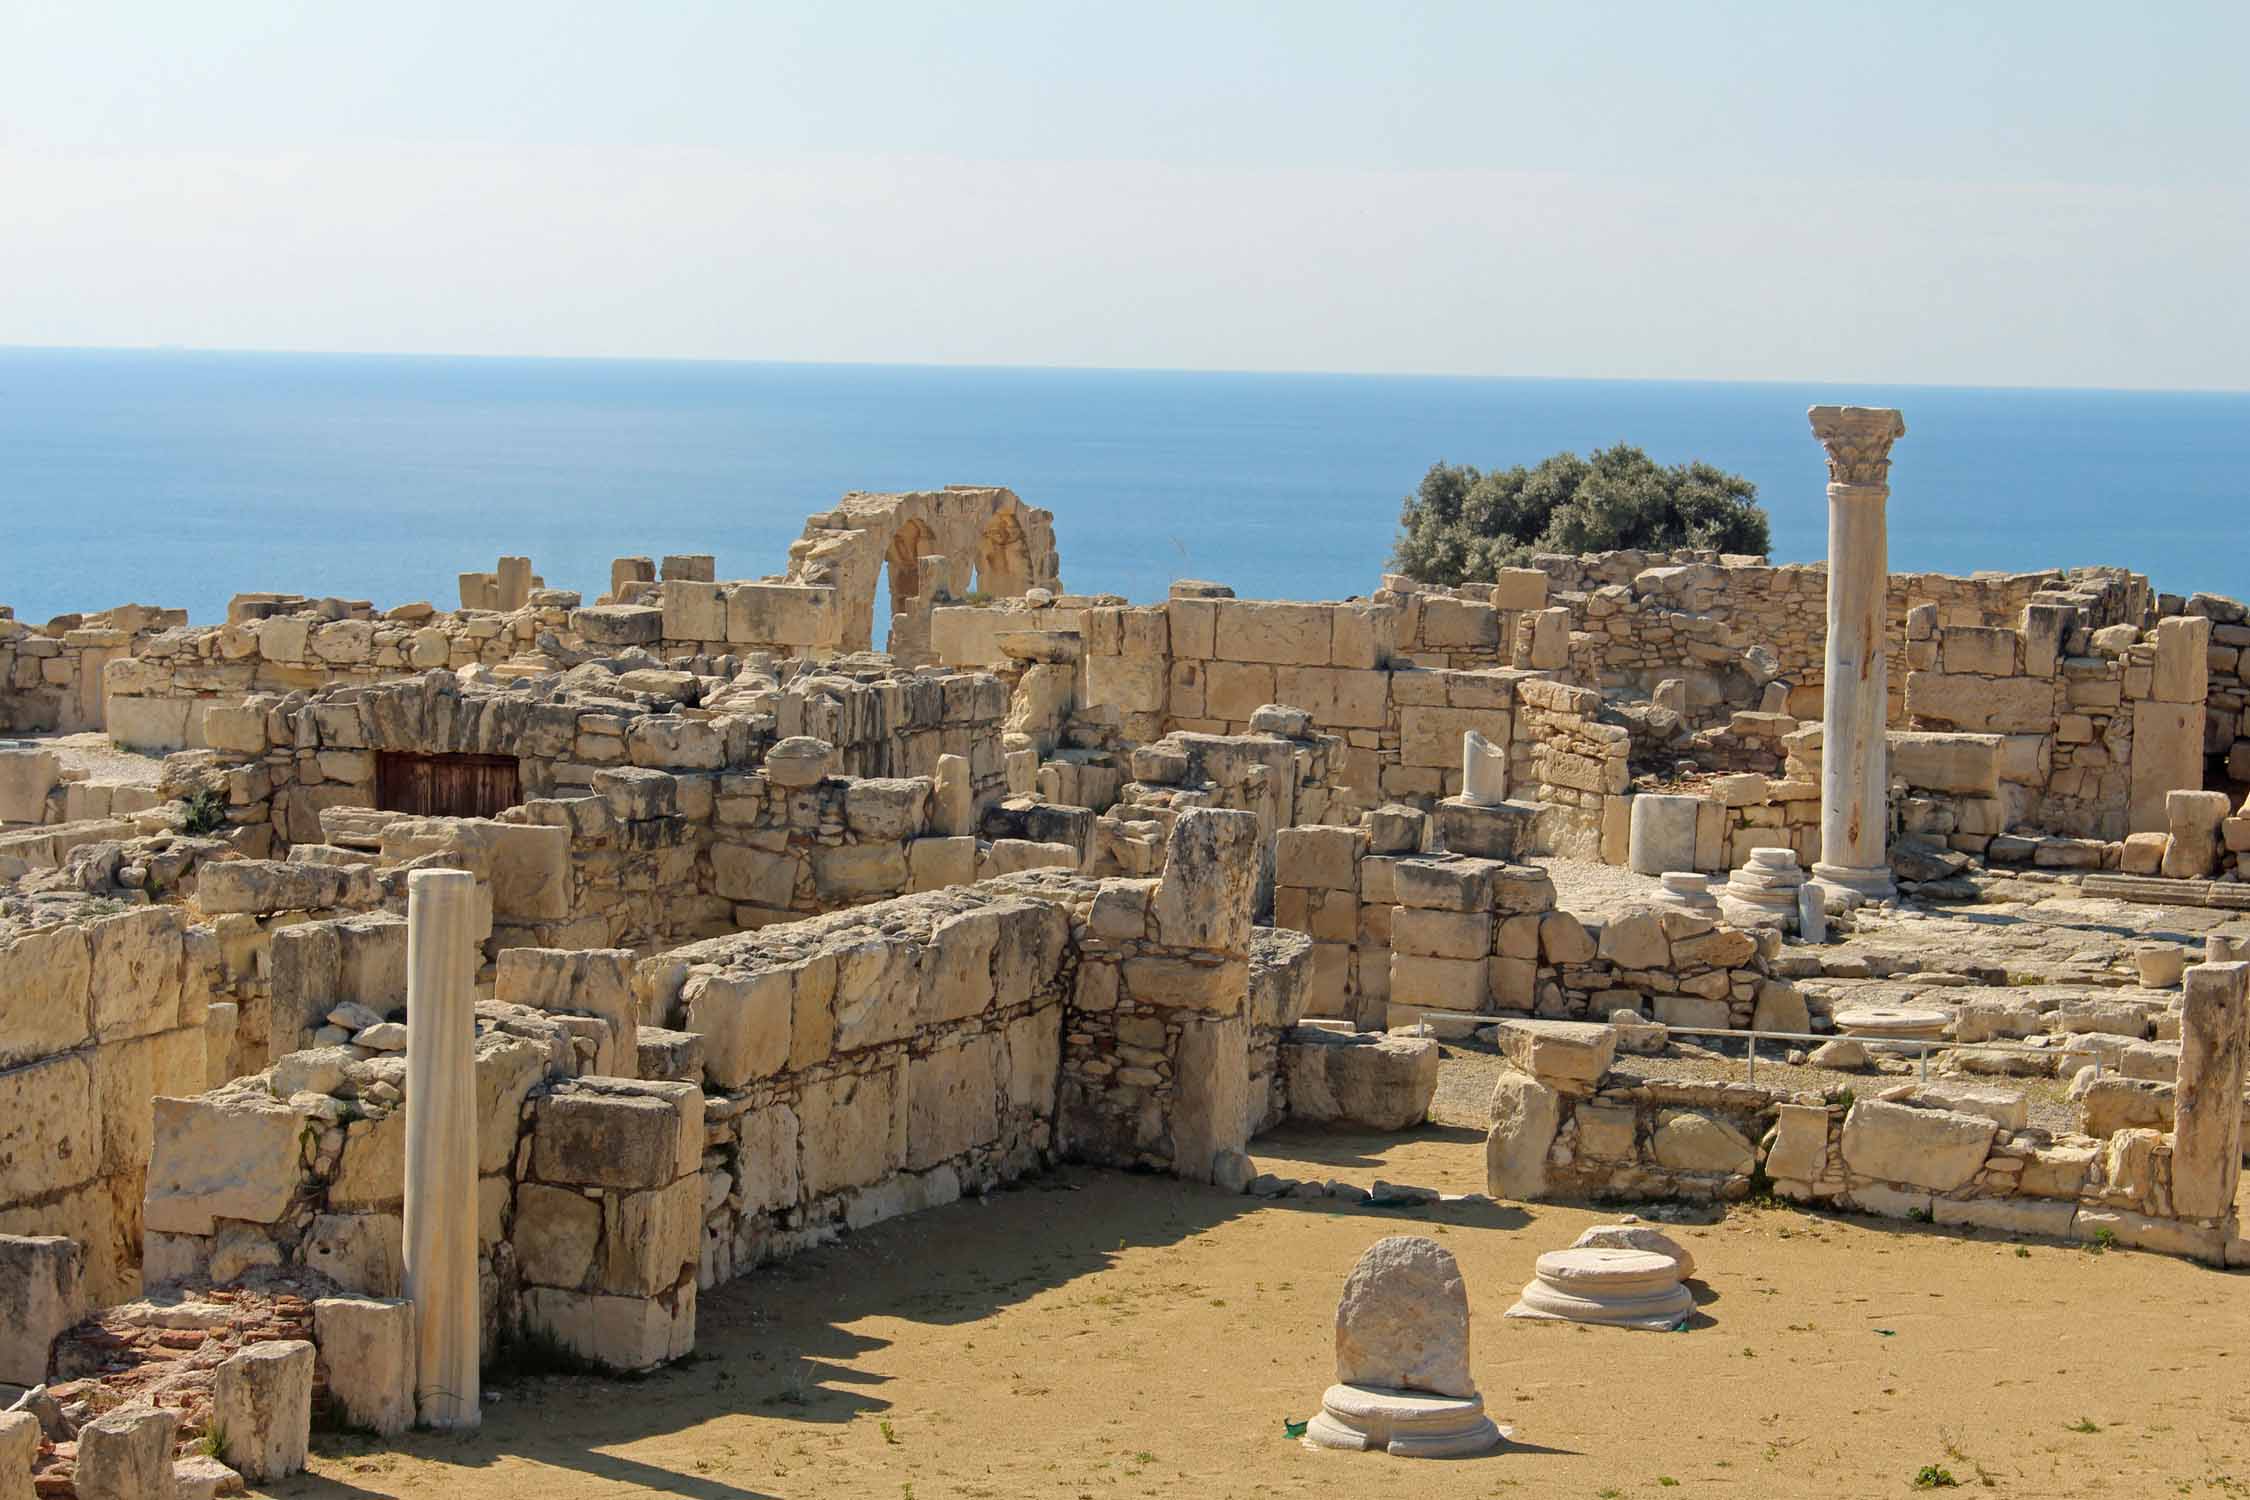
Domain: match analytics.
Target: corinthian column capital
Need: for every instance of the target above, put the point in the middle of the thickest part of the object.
(1858, 440)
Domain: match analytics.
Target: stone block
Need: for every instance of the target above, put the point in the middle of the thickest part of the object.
(26, 777)
(1277, 633)
(1447, 884)
(2192, 849)
(1799, 1152)
(1441, 934)
(1523, 1117)
(651, 1239)
(1519, 589)
(2167, 756)
(1370, 1081)
(952, 1101)
(1662, 835)
(1317, 857)
(1568, 1056)
(1980, 705)
(853, 1129)
(1419, 982)
(1210, 873)
(618, 1333)
(19, 1449)
(1634, 941)
(616, 1134)
(231, 1155)
(1988, 651)
(367, 1348)
(262, 1401)
(746, 1021)
(1688, 1141)
(2183, 653)
(1966, 765)
(42, 1292)
(127, 1454)
(1928, 1148)
(45, 1002)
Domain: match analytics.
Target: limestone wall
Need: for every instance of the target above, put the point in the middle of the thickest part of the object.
(283, 761)
(51, 676)
(102, 1008)
(1402, 936)
(1206, 666)
(160, 695)
(2099, 724)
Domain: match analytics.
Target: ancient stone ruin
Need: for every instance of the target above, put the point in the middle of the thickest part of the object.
(1402, 1359)
(411, 984)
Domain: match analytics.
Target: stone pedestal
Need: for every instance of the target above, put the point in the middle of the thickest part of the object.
(441, 1144)
(1854, 774)
(1619, 1288)
(1404, 1424)
(1488, 830)
(1687, 891)
(1765, 889)
(1899, 1023)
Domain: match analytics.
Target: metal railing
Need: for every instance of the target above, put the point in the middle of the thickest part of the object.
(1923, 1046)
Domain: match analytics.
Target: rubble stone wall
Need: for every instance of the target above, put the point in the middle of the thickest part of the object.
(1205, 666)
(1400, 935)
(160, 694)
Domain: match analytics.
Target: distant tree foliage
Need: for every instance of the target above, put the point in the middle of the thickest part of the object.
(1461, 526)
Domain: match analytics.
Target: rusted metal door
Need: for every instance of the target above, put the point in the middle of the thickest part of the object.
(445, 786)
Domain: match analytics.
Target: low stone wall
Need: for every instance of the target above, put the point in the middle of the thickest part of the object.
(1567, 1124)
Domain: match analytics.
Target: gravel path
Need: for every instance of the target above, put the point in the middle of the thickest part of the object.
(93, 753)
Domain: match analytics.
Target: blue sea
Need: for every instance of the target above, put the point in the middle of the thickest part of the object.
(180, 478)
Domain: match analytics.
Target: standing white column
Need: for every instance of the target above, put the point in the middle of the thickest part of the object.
(441, 1144)
(1854, 767)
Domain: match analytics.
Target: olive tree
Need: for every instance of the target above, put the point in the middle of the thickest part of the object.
(1460, 526)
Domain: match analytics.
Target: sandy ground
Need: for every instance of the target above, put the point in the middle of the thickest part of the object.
(1094, 1334)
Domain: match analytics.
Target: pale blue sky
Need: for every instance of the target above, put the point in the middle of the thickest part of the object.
(1994, 193)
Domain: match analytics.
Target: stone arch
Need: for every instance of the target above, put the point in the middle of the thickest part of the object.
(1003, 557)
(979, 533)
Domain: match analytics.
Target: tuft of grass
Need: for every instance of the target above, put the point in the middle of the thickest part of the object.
(213, 1443)
(2084, 1424)
(890, 1433)
(206, 811)
(2022, 1253)
(1932, 1477)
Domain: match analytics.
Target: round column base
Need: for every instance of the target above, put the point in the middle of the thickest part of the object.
(1871, 883)
(1404, 1424)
